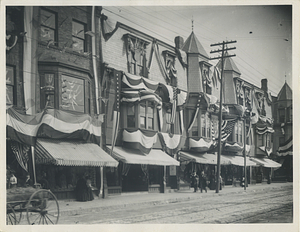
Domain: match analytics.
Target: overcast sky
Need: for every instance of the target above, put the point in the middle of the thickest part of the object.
(263, 34)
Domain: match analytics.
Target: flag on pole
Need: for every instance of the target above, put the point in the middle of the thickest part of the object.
(227, 127)
(21, 153)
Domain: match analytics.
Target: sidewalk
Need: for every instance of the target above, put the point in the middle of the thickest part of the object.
(72, 207)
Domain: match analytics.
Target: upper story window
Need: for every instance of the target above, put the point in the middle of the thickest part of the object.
(136, 55)
(281, 115)
(260, 140)
(207, 83)
(65, 92)
(202, 125)
(10, 85)
(141, 115)
(238, 131)
(169, 124)
(48, 26)
(268, 140)
(78, 36)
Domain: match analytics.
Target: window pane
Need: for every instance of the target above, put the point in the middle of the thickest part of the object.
(9, 94)
(142, 116)
(150, 123)
(9, 75)
(130, 116)
(78, 45)
(203, 125)
(48, 19)
(47, 34)
(72, 97)
(78, 30)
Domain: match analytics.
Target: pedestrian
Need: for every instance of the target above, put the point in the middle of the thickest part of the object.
(28, 181)
(13, 181)
(82, 190)
(195, 181)
(203, 181)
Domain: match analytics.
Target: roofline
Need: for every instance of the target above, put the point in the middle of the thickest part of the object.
(144, 35)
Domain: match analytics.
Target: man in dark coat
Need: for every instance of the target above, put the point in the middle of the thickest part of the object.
(202, 182)
(195, 180)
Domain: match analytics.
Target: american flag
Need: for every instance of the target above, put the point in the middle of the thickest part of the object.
(21, 153)
(227, 127)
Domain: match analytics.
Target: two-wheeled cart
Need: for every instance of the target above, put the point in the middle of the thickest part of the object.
(40, 205)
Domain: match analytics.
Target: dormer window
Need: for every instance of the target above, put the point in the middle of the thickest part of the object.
(136, 55)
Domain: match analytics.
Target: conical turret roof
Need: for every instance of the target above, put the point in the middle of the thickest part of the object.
(285, 93)
(229, 64)
(192, 45)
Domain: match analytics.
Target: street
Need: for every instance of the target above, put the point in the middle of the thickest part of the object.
(270, 206)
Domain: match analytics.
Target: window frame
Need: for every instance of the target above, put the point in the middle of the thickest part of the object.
(13, 85)
(202, 130)
(55, 29)
(79, 38)
(137, 115)
(281, 116)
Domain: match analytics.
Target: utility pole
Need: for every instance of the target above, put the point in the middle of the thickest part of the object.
(222, 57)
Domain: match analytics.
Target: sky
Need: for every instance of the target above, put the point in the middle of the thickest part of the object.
(263, 34)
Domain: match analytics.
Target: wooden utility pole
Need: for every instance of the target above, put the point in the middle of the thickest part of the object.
(222, 57)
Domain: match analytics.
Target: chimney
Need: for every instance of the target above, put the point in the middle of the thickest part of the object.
(264, 85)
(178, 42)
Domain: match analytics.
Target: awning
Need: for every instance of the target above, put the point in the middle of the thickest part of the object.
(204, 158)
(239, 160)
(265, 162)
(77, 153)
(132, 156)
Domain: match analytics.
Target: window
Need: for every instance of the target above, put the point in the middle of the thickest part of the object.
(131, 115)
(147, 115)
(202, 125)
(10, 85)
(72, 96)
(48, 26)
(64, 92)
(136, 55)
(47, 90)
(268, 140)
(281, 113)
(239, 132)
(78, 37)
(260, 140)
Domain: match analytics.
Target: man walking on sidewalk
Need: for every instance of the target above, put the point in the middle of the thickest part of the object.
(202, 181)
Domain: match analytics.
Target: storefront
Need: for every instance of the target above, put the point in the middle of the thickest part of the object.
(142, 172)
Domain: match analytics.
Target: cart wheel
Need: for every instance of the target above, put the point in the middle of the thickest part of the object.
(18, 210)
(42, 208)
(11, 218)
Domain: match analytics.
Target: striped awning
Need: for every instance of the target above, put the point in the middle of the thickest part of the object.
(132, 156)
(201, 158)
(265, 162)
(77, 153)
(239, 160)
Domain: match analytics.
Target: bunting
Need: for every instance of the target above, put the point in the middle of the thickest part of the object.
(51, 123)
(116, 113)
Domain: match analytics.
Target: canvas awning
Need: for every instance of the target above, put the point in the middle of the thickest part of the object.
(265, 162)
(132, 156)
(204, 158)
(239, 160)
(65, 153)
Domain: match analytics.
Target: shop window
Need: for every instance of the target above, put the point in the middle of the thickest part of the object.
(281, 113)
(78, 36)
(48, 26)
(10, 85)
